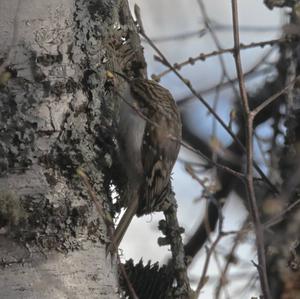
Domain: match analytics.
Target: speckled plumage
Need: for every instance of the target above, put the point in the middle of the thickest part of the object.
(160, 144)
(149, 147)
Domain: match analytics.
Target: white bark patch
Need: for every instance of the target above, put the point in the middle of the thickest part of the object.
(75, 275)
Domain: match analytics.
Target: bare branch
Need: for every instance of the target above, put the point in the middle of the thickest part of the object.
(204, 56)
(262, 270)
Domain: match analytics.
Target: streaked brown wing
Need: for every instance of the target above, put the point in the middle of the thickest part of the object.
(158, 161)
(161, 143)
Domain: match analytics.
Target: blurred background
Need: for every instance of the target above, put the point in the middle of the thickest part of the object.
(183, 29)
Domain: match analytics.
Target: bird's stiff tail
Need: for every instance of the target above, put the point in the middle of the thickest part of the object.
(123, 225)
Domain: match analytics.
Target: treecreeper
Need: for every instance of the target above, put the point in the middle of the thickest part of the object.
(149, 138)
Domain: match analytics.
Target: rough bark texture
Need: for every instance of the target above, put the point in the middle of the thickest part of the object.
(55, 116)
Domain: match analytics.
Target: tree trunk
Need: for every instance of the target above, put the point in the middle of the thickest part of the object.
(55, 116)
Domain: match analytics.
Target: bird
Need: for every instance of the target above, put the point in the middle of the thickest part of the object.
(149, 138)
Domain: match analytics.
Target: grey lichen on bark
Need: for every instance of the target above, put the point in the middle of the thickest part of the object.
(12, 212)
(56, 115)
(52, 113)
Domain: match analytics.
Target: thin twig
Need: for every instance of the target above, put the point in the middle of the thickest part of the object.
(212, 162)
(250, 28)
(203, 278)
(218, 45)
(214, 26)
(217, 256)
(229, 261)
(180, 36)
(249, 153)
(99, 205)
(274, 97)
(279, 217)
(224, 75)
(209, 252)
(250, 73)
(204, 56)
